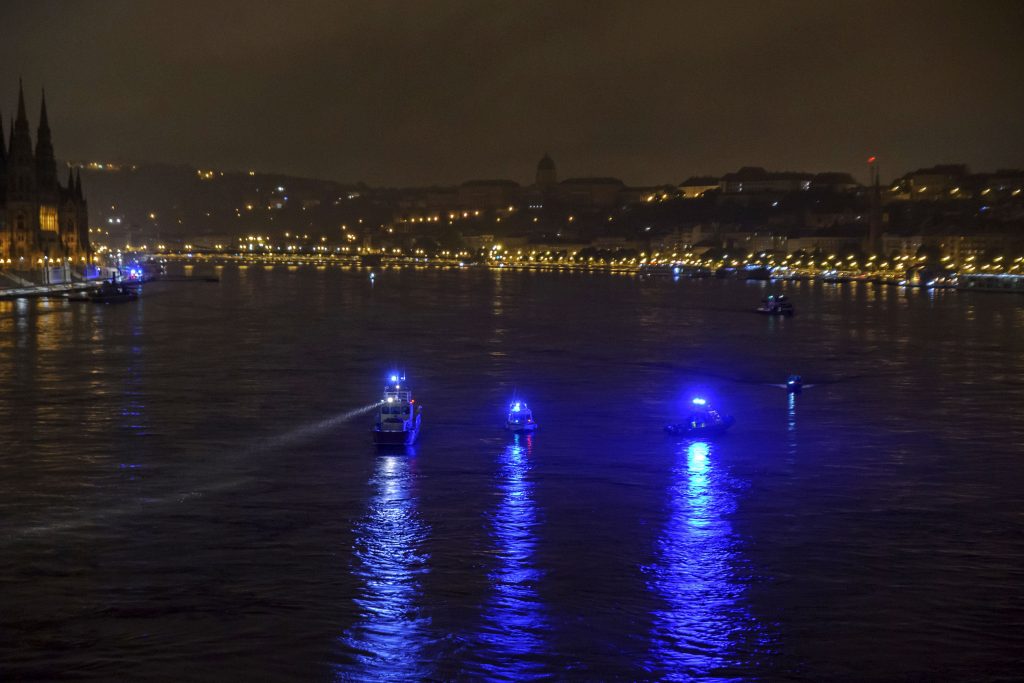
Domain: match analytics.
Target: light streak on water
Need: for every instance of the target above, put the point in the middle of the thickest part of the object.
(791, 432)
(84, 518)
(704, 620)
(389, 633)
(513, 638)
(309, 431)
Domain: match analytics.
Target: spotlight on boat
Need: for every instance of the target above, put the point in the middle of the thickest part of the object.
(702, 421)
(794, 384)
(520, 418)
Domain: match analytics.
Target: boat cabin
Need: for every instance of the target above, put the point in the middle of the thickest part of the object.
(520, 417)
(396, 408)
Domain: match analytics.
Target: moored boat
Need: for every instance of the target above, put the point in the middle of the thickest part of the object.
(109, 292)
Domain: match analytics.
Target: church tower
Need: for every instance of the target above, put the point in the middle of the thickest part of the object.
(43, 225)
(22, 218)
(3, 171)
(20, 162)
(47, 190)
(5, 241)
(547, 176)
(46, 164)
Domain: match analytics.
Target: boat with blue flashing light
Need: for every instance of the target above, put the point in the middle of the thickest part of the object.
(520, 418)
(703, 420)
(399, 418)
(794, 384)
(776, 305)
(756, 272)
(108, 292)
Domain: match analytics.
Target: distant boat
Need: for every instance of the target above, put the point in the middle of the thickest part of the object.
(110, 292)
(776, 305)
(756, 273)
(991, 282)
(833, 276)
(520, 418)
(702, 421)
(398, 422)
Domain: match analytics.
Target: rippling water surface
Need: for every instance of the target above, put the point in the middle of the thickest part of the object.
(188, 492)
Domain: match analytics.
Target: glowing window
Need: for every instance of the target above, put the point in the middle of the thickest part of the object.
(48, 218)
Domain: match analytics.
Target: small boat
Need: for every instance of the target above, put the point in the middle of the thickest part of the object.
(703, 420)
(121, 296)
(794, 384)
(110, 292)
(833, 276)
(398, 422)
(143, 272)
(776, 305)
(520, 418)
(754, 272)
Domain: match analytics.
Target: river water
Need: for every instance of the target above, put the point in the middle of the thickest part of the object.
(188, 490)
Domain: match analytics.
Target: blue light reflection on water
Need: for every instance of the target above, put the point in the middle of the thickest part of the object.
(134, 409)
(513, 633)
(705, 623)
(390, 630)
(791, 423)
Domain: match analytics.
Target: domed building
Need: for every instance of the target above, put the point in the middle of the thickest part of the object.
(547, 176)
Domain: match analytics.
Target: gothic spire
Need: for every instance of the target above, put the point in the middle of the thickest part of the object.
(44, 124)
(22, 118)
(46, 164)
(78, 184)
(20, 150)
(3, 161)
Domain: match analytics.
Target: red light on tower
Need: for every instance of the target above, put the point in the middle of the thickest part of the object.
(872, 160)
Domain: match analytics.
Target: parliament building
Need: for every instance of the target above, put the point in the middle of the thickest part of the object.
(42, 223)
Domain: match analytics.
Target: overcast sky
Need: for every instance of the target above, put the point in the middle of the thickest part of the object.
(399, 93)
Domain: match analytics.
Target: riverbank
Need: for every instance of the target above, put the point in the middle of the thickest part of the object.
(912, 277)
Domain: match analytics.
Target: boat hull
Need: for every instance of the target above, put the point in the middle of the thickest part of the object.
(688, 430)
(521, 428)
(114, 298)
(397, 437)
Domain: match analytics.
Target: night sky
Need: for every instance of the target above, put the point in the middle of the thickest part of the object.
(403, 93)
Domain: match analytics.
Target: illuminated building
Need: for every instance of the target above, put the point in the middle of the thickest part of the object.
(696, 186)
(937, 182)
(41, 221)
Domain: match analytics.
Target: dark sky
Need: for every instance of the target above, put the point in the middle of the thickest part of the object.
(442, 91)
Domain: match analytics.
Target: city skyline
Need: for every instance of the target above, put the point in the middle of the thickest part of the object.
(401, 95)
